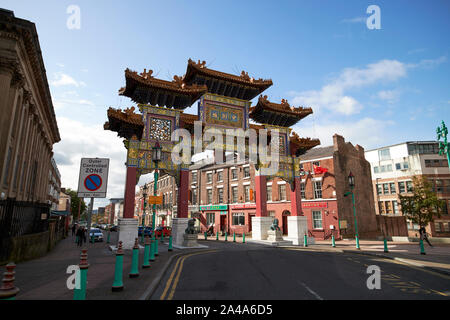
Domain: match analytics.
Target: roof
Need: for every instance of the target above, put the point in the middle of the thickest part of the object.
(280, 114)
(242, 87)
(318, 152)
(406, 142)
(126, 123)
(144, 88)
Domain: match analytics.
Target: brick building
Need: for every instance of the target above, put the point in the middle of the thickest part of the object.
(393, 168)
(223, 195)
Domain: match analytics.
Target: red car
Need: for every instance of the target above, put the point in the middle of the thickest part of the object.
(166, 230)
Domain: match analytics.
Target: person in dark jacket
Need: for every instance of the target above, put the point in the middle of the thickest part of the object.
(74, 229)
(79, 235)
(423, 235)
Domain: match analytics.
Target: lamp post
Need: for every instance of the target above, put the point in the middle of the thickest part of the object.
(156, 157)
(351, 183)
(144, 194)
(442, 132)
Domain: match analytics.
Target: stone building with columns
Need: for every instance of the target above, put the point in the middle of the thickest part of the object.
(28, 127)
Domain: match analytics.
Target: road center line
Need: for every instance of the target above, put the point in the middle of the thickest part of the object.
(311, 291)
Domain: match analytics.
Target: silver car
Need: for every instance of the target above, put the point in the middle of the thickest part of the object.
(98, 235)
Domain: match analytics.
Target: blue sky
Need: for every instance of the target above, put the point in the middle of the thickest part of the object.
(375, 87)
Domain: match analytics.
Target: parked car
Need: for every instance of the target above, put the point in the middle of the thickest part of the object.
(98, 235)
(147, 231)
(114, 228)
(167, 231)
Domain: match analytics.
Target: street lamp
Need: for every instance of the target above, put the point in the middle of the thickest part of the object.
(351, 183)
(156, 158)
(144, 194)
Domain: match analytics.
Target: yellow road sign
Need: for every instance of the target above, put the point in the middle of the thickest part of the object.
(155, 199)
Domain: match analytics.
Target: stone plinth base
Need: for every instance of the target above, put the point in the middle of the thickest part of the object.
(128, 232)
(260, 227)
(297, 228)
(179, 225)
(190, 240)
(272, 243)
(274, 235)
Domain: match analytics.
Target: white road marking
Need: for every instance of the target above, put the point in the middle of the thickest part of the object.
(311, 291)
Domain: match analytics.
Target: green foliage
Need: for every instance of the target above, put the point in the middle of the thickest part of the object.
(75, 202)
(423, 205)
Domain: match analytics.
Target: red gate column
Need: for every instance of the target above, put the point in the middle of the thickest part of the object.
(261, 222)
(183, 194)
(128, 225)
(130, 187)
(296, 198)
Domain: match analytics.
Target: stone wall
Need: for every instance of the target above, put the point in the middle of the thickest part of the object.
(29, 246)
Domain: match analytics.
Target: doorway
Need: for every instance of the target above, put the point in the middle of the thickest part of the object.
(284, 216)
(223, 224)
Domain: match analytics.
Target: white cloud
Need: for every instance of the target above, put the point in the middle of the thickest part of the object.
(60, 65)
(367, 132)
(333, 96)
(62, 79)
(61, 103)
(428, 63)
(390, 96)
(78, 141)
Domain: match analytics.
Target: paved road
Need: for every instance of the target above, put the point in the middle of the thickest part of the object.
(247, 271)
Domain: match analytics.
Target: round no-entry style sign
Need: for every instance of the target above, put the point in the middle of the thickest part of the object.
(93, 182)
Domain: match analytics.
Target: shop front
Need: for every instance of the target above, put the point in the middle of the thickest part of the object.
(323, 221)
(216, 216)
(241, 218)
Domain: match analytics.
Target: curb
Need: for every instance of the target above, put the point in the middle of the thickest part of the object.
(380, 255)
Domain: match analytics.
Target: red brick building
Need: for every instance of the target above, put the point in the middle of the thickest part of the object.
(224, 195)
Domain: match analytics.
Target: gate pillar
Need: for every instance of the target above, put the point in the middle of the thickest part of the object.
(128, 225)
(180, 223)
(261, 222)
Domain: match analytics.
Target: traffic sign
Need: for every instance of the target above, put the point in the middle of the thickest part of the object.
(93, 178)
(155, 200)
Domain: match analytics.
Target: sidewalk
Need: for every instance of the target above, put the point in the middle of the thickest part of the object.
(45, 278)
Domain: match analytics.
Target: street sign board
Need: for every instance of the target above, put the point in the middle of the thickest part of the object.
(93, 179)
(155, 200)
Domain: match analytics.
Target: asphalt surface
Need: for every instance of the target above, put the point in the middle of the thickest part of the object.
(236, 271)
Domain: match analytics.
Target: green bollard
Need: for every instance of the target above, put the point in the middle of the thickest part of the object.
(206, 235)
(357, 243)
(109, 236)
(422, 248)
(234, 236)
(162, 236)
(243, 237)
(305, 240)
(156, 247)
(226, 236)
(217, 235)
(170, 243)
(118, 273)
(333, 244)
(152, 249)
(146, 263)
(134, 273)
(92, 238)
(385, 246)
(80, 293)
(8, 291)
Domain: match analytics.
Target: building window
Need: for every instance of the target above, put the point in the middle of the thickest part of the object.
(388, 207)
(409, 186)
(376, 169)
(379, 190)
(282, 192)
(246, 172)
(438, 186)
(446, 227)
(8, 161)
(209, 177)
(247, 193)
(401, 187)
(234, 175)
(318, 189)
(194, 177)
(398, 166)
(210, 218)
(271, 213)
(209, 196)
(395, 206)
(384, 154)
(317, 219)
(437, 226)
(302, 190)
(238, 219)
(234, 194)
(220, 176)
(392, 186)
(220, 195)
(269, 193)
(194, 196)
(385, 188)
(381, 207)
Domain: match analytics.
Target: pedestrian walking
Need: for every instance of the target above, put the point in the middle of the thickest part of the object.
(424, 235)
(74, 229)
(84, 234)
(79, 236)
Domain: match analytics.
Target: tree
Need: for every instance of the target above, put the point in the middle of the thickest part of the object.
(423, 205)
(75, 202)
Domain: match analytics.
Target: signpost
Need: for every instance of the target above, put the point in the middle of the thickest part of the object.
(92, 182)
(155, 199)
